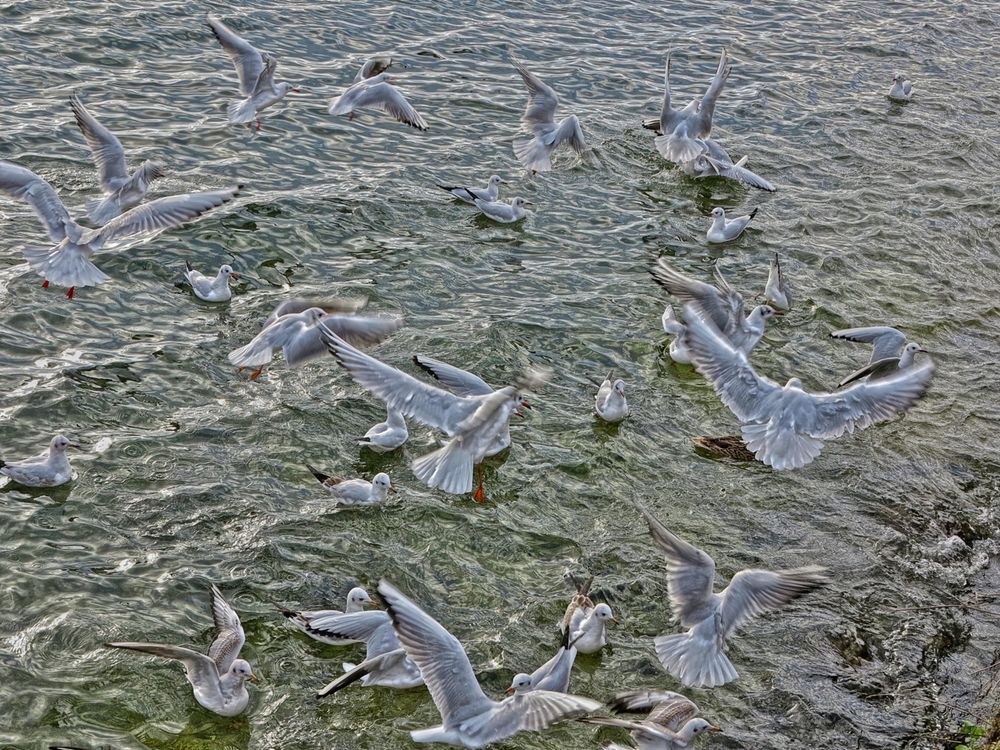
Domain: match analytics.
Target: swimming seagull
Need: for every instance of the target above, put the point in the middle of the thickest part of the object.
(672, 722)
(476, 424)
(785, 426)
(208, 288)
(306, 620)
(386, 663)
(506, 213)
(584, 623)
(901, 89)
(697, 658)
(356, 491)
(722, 304)
(388, 435)
(298, 337)
(539, 120)
(610, 403)
(678, 350)
(776, 291)
(68, 263)
(379, 93)
(255, 70)
(50, 468)
(891, 352)
(715, 161)
(468, 717)
(219, 679)
(123, 190)
(490, 193)
(683, 130)
(725, 230)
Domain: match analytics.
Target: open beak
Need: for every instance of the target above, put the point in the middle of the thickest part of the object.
(234, 275)
(504, 182)
(371, 603)
(614, 620)
(392, 489)
(526, 405)
(253, 677)
(919, 350)
(296, 90)
(509, 690)
(715, 729)
(528, 203)
(779, 313)
(77, 445)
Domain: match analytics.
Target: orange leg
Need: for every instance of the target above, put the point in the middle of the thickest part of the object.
(69, 292)
(45, 284)
(259, 126)
(256, 373)
(479, 495)
(350, 116)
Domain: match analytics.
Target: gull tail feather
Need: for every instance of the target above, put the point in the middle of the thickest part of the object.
(65, 266)
(533, 154)
(448, 469)
(241, 111)
(781, 450)
(696, 662)
(254, 354)
(678, 149)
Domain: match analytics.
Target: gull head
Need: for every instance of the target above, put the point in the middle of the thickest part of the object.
(242, 670)
(619, 387)
(898, 78)
(521, 684)
(60, 443)
(496, 180)
(914, 349)
(314, 315)
(382, 481)
(603, 612)
(228, 271)
(718, 212)
(359, 596)
(766, 311)
(696, 726)
(794, 383)
(520, 203)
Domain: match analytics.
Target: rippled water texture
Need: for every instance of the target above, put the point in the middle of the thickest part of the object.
(884, 213)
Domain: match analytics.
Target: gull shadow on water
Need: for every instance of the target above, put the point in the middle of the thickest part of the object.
(204, 731)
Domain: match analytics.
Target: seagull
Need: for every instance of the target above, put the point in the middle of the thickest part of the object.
(678, 350)
(891, 352)
(726, 230)
(476, 424)
(207, 288)
(386, 663)
(697, 658)
(356, 491)
(901, 89)
(506, 213)
(68, 262)
(306, 620)
(377, 92)
(123, 190)
(489, 194)
(721, 303)
(463, 383)
(776, 291)
(219, 679)
(671, 723)
(298, 337)
(683, 130)
(785, 426)
(388, 435)
(610, 403)
(555, 673)
(468, 717)
(50, 468)
(539, 120)
(584, 623)
(255, 70)
(715, 161)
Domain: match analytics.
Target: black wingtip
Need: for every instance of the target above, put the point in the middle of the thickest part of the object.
(318, 474)
(187, 264)
(289, 613)
(754, 212)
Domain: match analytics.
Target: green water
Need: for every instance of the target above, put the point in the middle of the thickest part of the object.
(884, 214)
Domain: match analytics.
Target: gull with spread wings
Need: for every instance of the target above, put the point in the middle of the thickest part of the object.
(684, 130)
(539, 120)
(468, 717)
(219, 679)
(68, 262)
